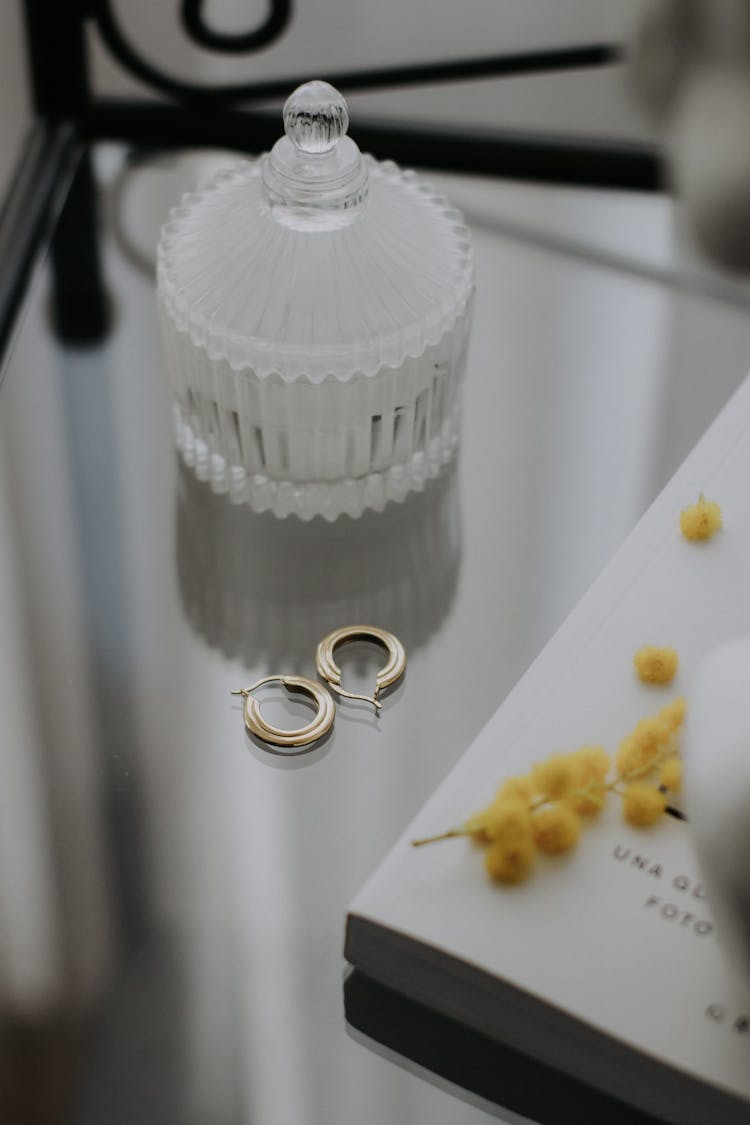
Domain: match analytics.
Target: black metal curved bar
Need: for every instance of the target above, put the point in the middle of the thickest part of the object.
(191, 15)
(192, 93)
(579, 161)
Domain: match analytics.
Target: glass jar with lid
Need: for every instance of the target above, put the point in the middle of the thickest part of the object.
(315, 307)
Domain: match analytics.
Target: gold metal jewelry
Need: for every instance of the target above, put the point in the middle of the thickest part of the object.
(331, 673)
(277, 736)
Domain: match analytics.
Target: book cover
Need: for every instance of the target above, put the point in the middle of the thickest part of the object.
(606, 962)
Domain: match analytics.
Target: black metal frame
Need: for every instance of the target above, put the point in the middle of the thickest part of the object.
(69, 115)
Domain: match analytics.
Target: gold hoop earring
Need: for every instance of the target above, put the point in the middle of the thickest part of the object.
(276, 736)
(331, 673)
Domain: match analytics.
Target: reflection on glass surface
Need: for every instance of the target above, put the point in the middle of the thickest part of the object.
(259, 588)
(171, 906)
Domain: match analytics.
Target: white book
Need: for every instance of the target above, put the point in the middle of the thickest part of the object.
(605, 963)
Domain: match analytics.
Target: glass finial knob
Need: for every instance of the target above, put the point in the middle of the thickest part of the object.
(315, 117)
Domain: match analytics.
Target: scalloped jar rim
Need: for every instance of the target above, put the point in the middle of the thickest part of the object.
(307, 361)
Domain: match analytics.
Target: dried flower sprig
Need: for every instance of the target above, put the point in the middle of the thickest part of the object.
(544, 811)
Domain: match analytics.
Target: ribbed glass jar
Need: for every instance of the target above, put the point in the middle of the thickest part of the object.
(315, 307)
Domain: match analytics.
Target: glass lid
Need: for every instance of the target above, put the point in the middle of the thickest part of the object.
(315, 260)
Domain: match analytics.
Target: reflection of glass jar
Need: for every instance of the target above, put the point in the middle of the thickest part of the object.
(265, 591)
(315, 308)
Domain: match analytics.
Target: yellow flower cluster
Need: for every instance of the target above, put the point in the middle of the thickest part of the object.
(539, 812)
(670, 775)
(656, 665)
(701, 520)
(642, 805)
(651, 742)
(544, 811)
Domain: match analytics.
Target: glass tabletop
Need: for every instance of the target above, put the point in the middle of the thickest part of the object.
(172, 896)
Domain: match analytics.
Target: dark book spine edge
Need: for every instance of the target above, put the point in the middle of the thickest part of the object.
(513, 1017)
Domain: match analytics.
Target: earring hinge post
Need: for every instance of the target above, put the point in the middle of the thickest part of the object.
(352, 695)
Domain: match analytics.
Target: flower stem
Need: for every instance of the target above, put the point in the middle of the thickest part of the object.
(442, 836)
